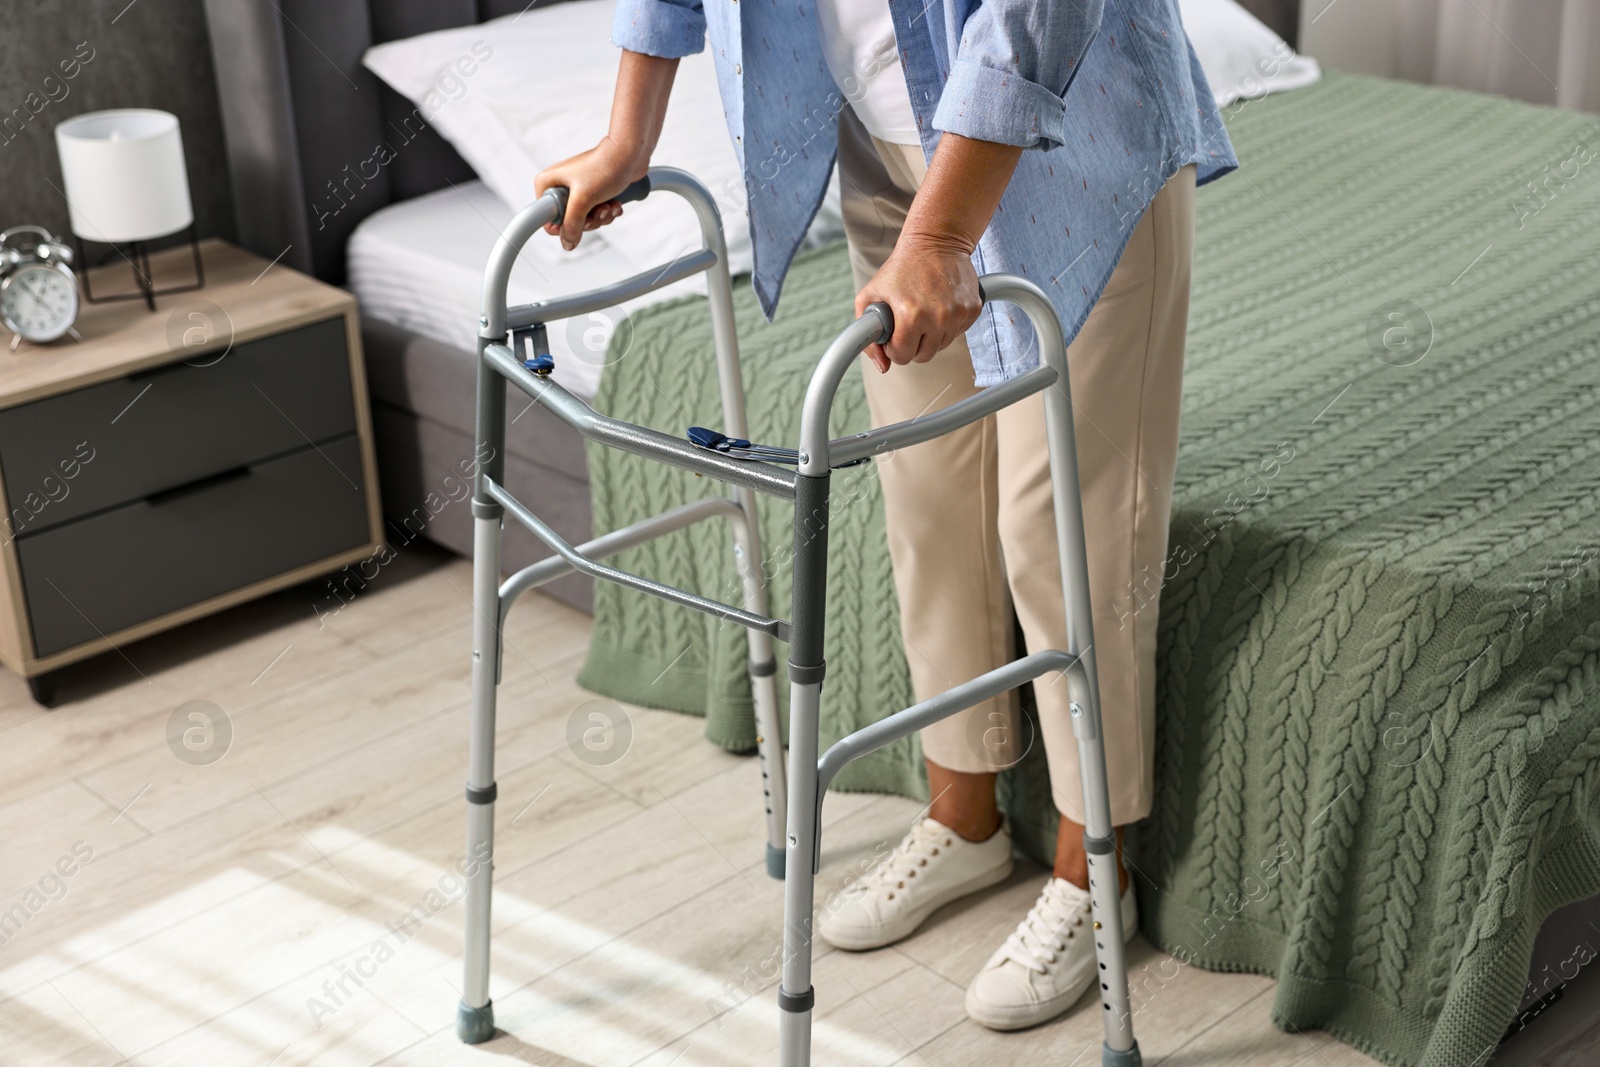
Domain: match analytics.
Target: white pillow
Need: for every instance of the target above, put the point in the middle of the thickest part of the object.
(1242, 58)
(519, 93)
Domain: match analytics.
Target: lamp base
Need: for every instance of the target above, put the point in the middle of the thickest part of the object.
(137, 253)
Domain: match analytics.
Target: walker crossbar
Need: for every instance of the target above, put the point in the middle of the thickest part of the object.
(793, 798)
(952, 701)
(565, 307)
(845, 451)
(553, 567)
(640, 440)
(579, 562)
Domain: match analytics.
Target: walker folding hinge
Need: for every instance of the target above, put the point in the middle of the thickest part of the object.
(531, 344)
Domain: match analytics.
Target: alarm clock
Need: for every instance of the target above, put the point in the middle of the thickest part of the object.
(38, 291)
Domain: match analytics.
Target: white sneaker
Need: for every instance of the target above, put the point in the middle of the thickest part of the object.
(1047, 964)
(932, 866)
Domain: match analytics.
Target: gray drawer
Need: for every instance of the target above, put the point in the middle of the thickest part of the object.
(132, 563)
(167, 427)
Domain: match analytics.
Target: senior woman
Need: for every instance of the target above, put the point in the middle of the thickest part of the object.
(1059, 139)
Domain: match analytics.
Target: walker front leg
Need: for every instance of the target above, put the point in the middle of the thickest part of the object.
(475, 1017)
(796, 997)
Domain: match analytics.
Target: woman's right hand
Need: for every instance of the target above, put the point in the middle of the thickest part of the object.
(593, 180)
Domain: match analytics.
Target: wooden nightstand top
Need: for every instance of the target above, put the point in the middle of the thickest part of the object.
(121, 337)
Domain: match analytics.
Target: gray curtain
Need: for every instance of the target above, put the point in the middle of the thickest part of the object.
(1542, 51)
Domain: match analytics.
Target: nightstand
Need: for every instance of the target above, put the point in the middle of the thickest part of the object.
(175, 463)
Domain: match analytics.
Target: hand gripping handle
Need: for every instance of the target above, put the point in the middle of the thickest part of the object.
(887, 315)
(636, 191)
(876, 326)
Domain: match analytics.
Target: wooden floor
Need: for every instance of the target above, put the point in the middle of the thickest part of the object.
(294, 902)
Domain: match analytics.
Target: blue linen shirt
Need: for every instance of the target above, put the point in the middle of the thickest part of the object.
(1109, 92)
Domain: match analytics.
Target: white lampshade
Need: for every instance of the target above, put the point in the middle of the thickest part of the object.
(125, 175)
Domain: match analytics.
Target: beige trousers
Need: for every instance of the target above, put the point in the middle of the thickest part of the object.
(971, 530)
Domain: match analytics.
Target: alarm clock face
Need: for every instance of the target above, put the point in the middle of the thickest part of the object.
(39, 302)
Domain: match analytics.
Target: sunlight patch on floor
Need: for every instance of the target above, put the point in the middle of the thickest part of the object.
(308, 968)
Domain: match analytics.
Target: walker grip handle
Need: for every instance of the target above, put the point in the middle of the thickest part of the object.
(888, 321)
(636, 191)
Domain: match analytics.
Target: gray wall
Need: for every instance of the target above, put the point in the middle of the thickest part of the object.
(152, 53)
(1282, 15)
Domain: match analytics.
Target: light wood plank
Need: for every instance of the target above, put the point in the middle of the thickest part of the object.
(313, 724)
(666, 752)
(276, 1029)
(281, 737)
(366, 613)
(1250, 1036)
(119, 706)
(880, 1008)
(43, 1030)
(43, 832)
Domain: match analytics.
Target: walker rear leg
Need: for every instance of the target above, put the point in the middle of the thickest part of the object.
(747, 555)
(763, 684)
(1100, 844)
(769, 748)
(1120, 1048)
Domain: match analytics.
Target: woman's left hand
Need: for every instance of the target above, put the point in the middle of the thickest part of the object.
(932, 288)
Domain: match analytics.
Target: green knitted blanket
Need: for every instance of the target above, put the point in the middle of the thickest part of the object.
(1379, 725)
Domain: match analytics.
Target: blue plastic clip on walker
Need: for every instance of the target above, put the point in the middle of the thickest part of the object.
(534, 346)
(739, 448)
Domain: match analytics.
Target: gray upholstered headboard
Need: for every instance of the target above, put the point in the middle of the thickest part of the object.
(304, 120)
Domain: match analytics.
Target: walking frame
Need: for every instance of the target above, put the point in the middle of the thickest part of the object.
(512, 348)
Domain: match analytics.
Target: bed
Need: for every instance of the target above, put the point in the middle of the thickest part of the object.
(1405, 700)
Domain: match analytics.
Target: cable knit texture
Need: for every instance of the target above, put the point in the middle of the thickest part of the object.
(1379, 671)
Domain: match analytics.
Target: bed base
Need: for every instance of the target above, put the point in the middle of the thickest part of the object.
(509, 352)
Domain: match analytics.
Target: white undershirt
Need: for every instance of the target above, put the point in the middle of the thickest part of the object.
(858, 43)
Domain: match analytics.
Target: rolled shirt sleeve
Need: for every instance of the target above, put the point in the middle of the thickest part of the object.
(670, 29)
(1016, 60)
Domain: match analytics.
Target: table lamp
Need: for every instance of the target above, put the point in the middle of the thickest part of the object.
(126, 186)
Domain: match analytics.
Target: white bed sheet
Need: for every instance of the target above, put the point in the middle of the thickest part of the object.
(419, 264)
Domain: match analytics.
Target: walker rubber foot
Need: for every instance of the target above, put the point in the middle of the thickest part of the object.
(775, 862)
(474, 1026)
(1110, 1057)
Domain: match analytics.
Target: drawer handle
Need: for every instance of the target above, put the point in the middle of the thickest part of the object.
(210, 480)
